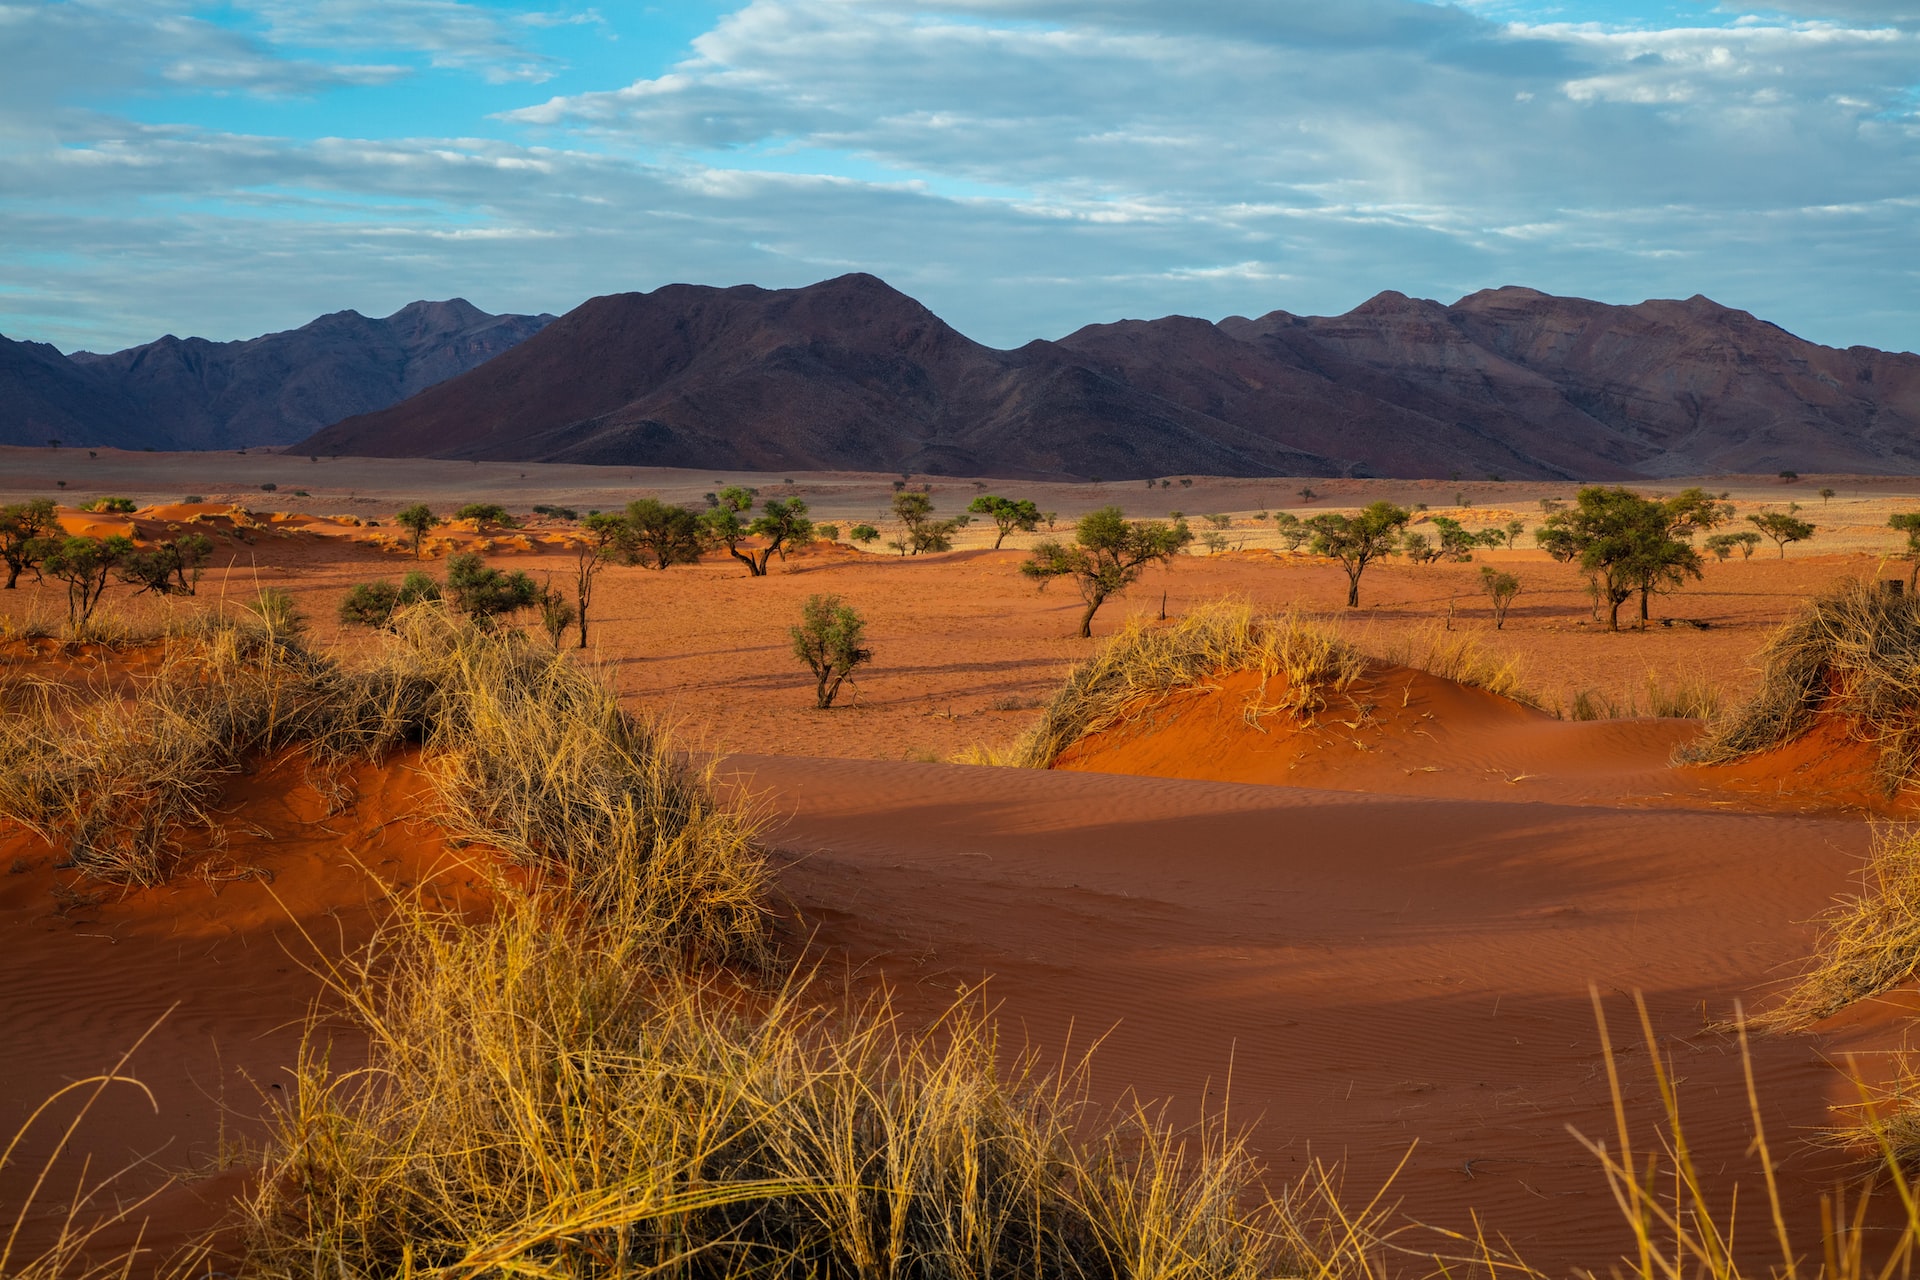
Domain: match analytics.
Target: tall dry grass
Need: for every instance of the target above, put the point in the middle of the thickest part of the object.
(1459, 656)
(1853, 652)
(537, 1102)
(1145, 663)
(530, 752)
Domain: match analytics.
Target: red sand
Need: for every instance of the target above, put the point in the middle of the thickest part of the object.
(1394, 944)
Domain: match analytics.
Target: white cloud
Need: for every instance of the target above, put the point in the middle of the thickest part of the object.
(1024, 166)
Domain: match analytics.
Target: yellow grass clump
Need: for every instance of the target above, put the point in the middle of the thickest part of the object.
(1869, 943)
(1146, 662)
(1853, 652)
(529, 751)
(536, 1103)
(1461, 657)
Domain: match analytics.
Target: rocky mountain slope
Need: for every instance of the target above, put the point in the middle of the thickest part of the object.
(851, 374)
(273, 390)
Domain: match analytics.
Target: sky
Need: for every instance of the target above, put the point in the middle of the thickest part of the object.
(1023, 167)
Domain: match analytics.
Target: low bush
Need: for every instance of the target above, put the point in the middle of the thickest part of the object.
(1853, 653)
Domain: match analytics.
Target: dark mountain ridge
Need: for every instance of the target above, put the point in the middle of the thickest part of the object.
(851, 374)
(277, 389)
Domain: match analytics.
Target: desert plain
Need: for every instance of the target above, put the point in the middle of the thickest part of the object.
(1380, 939)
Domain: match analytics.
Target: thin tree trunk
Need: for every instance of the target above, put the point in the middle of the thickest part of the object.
(1353, 589)
(1086, 619)
(1613, 611)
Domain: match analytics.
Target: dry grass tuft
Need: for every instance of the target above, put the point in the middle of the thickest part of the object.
(1461, 657)
(531, 754)
(536, 1104)
(1869, 944)
(1854, 653)
(1146, 662)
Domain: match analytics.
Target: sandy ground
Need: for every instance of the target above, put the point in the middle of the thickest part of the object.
(1379, 939)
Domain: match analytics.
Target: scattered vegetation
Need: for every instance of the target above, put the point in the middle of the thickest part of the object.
(919, 530)
(1108, 554)
(484, 593)
(486, 515)
(112, 506)
(828, 639)
(378, 603)
(1854, 653)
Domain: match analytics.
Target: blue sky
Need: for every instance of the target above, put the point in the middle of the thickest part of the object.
(1021, 166)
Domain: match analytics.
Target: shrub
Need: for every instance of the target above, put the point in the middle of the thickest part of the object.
(117, 506)
(84, 565)
(919, 531)
(193, 500)
(485, 515)
(666, 535)
(484, 593)
(556, 613)
(557, 513)
(828, 640)
(1853, 652)
(167, 568)
(1501, 588)
(375, 604)
(269, 487)
(827, 532)
(864, 534)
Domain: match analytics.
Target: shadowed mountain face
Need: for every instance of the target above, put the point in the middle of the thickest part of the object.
(851, 374)
(272, 390)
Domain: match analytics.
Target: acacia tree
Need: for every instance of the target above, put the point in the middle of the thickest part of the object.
(919, 531)
(668, 535)
(1358, 540)
(602, 537)
(783, 523)
(1783, 527)
(1501, 588)
(84, 564)
(416, 520)
(724, 526)
(1108, 553)
(1009, 514)
(485, 514)
(484, 593)
(167, 568)
(24, 527)
(828, 639)
(1622, 542)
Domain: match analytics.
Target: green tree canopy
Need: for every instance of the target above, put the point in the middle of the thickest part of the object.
(1357, 540)
(1623, 542)
(830, 640)
(24, 528)
(1008, 514)
(663, 535)
(1782, 527)
(1108, 553)
(416, 520)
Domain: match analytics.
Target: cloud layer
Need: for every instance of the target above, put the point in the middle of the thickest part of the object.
(1023, 166)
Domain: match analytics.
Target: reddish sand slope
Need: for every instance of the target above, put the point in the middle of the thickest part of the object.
(223, 965)
(1373, 971)
(1405, 732)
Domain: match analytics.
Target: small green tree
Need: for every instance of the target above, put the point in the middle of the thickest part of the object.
(664, 535)
(1291, 530)
(484, 593)
(416, 520)
(1456, 544)
(1510, 532)
(864, 534)
(1009, 514)
(24, 531)
(1357, 540)
(783, 523)
(829, 640)
(84, 564)
(1418, 548)
(919, 531)
(1783, 527)
(1108, 553)
(1501, 588)
(1826, 496)
(602, 538)
(724, 525)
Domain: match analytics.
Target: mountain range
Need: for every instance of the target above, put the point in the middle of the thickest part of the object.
(189, 393)
(851, 374)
